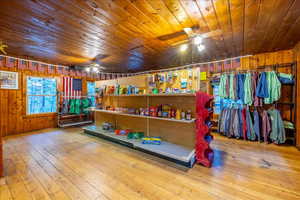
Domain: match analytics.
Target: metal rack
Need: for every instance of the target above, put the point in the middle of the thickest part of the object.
(290, 133)
(69, 120)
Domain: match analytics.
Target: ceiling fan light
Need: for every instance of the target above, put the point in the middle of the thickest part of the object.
(198, 40)
(187, 30)
(201, 47)
(183, 47)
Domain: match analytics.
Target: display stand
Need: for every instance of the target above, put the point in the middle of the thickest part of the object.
(204, 154)
(178, 135)
(67, 120)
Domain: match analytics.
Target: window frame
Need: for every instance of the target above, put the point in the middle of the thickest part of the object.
(87, 92)
(27, 101)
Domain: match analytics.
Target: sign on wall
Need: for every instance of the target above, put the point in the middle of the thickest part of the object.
(8, 80)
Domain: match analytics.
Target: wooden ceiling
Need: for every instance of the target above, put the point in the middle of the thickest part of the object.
(123, 34)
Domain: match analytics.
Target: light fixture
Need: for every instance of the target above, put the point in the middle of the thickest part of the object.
(183, 47)
(197, 40)
(201, 47)
(95, 69)
(87, 69)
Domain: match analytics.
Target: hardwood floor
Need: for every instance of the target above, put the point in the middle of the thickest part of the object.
(64, 164)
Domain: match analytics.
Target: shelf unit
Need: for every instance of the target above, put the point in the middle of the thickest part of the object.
(178, 136)
(166, 150)
(143, 116)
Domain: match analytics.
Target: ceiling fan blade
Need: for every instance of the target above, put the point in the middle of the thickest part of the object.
(179, 42)
(189, 31)
(171, 36)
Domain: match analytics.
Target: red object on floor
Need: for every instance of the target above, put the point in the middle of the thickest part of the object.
(204, 154)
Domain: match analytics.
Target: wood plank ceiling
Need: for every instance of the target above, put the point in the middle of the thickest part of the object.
(123, 34)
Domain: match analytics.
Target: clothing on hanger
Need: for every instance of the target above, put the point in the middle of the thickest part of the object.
(277, 134)
(274, 88)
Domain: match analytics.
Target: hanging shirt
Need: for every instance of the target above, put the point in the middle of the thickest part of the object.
(257, 101)
(277, 134)
(248, 90)
(72, 106)
(231, 88)
(256, 124)
(235, 124)
(240, 87)
(265, 125)
(65, 106)
(262, 86)
(274, 88)
(222, 87)
(250, 131)
(244, 123)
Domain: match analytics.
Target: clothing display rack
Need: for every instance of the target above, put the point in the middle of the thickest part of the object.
(71, 119)
(286, 103)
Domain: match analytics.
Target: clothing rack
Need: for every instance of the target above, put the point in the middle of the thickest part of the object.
(67, 120)
(290, 133)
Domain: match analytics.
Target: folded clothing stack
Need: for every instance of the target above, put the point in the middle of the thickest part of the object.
(285, 78)
(288, 125)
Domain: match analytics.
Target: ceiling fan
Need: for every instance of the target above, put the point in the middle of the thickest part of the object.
(96, 61)
(191, 33)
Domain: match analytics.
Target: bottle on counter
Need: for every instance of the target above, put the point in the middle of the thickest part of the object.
(188, 115)
(178, 112)
(182, 115)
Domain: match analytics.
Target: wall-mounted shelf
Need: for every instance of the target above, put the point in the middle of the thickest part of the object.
(142, 116)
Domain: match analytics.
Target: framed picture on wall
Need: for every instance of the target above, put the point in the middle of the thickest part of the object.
(9, 80)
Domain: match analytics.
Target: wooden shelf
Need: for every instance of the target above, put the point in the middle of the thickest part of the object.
(142, 116)
(154, 95)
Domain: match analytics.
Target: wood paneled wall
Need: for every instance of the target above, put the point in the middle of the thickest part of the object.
(13, 118)
(297, 59)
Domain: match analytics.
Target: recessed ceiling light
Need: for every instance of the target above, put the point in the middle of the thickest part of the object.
(201, 47)
(197, 40)
(183, 47)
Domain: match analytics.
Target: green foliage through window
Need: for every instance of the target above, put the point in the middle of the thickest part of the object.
(41, 95)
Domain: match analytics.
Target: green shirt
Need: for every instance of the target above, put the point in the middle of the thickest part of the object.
(248, 90)
(274, 87)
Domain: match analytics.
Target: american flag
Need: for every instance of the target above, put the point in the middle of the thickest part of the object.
(22, 64)
(51, 69)
(33, 66)
(227, 65)
(2, 61)
(10, 62)
(42, 67)
(71, 87)
(236, 63)
(59, 69)
(219, 66)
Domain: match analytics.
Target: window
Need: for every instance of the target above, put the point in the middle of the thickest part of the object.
(91, 93)
(41, 95)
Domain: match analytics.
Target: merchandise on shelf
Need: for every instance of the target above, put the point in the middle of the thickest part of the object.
(151, 140)
(122, 131)
(107, 126)
(163, 110)
(135, 135)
